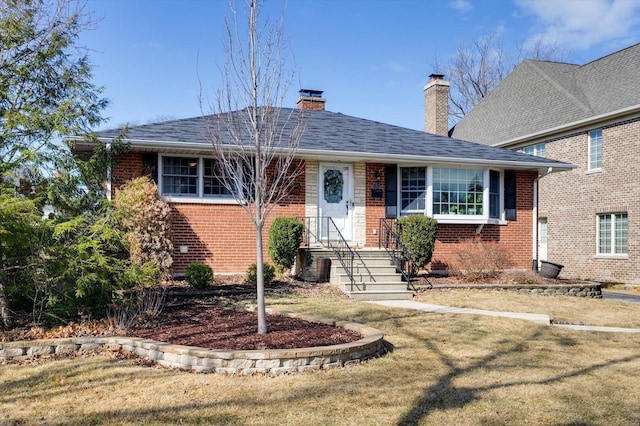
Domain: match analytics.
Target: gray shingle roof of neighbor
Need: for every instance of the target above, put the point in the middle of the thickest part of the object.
(341, 137)
(539, 95)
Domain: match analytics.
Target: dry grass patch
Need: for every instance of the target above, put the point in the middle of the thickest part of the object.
(561, 309)
(444, 369)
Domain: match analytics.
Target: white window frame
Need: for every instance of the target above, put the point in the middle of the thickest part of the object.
(595, 139)
(539, 149)
(199, 197)
(612, 253)
(455, 218)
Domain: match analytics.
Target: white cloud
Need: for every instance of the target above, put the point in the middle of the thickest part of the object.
(579, 24)
(461, 5)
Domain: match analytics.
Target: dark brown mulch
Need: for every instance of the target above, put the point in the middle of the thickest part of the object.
(209, 319)
(215, 327)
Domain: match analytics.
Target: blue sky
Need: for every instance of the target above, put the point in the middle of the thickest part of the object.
(372, 58)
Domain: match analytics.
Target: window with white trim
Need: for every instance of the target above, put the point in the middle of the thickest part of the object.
(538, 149)
(191, 177)
(413, 190)
(612, 233)
(451, 194)
(595, 149)
(458, 191)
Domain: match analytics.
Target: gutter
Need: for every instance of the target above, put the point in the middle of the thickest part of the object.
(352, 155)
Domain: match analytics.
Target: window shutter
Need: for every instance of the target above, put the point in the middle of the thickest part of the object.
(391, 196)
(510, 194)
(150, 166)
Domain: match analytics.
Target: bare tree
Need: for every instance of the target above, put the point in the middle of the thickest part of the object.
(254, 139)
(477, 67)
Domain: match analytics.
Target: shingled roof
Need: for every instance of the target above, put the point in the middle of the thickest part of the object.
(336, 136)
(540, 95)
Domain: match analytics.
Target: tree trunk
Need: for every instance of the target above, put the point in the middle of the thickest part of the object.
(262, 312)
(5, 313)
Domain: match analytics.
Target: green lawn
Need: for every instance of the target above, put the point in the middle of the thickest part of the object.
(443, 369)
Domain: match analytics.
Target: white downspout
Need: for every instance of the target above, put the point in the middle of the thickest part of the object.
(534, 245)
(108, 183)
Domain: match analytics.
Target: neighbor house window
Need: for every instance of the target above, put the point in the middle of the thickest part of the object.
(595, 149)
(612, 233)
(538, 150)
(413, 190)
(192, 177)
(458, 191)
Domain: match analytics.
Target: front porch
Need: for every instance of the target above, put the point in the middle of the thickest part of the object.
(363, 273)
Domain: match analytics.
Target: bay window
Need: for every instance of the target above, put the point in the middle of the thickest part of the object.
(455, 195)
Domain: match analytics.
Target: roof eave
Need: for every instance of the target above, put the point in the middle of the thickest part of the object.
(322, 155)
(569, 127)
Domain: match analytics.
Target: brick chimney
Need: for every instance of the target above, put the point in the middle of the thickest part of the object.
(436, 105)
(311, 100)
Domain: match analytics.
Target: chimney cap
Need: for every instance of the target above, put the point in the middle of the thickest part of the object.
(436, 77)
(311, 93)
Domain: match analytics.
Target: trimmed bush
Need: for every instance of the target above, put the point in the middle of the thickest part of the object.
(269, 272)
(418, 234)
(285, 237)
(198, 275)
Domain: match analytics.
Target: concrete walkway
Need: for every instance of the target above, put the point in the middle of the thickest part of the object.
(539, 318)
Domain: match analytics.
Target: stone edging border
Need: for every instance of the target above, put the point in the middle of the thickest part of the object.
(244, 362)
(587, 289)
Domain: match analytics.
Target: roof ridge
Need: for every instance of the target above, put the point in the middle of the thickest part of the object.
(561, 89)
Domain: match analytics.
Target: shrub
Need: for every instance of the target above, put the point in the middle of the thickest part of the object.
(476, 260)
(269, 272)
(418, 234)
(146, 219)
(198, 275)
(285, 237)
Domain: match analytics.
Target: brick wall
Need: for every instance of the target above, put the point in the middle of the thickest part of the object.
(220, 235)
(375, 206)
(517, 235)
(571, 200)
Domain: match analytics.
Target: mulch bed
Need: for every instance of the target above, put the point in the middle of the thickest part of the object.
(215, 327)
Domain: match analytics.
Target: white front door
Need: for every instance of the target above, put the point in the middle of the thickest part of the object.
(335, 191)
(542, 240)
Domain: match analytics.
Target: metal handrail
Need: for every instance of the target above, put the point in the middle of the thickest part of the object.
(399, 253)
(341, 249)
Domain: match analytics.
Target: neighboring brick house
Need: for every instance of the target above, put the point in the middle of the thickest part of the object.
(381, 171)
(587, 115)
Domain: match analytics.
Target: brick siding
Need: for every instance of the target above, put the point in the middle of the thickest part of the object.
(571, 200)
(222, 236)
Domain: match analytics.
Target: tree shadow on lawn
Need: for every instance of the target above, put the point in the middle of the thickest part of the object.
(445, 395)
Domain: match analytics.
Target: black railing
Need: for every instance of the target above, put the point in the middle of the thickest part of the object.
(389, 240)
(315, 230)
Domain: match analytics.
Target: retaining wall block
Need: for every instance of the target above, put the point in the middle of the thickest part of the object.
(66, 348)
(267, 363)
(9, 353)
(40, 350)
(241, 363)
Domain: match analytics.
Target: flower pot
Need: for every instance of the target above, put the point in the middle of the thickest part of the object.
(550, 269)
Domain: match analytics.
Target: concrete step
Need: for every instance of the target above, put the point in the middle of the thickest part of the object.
(389, 277)
(372, 286)
(381, 295)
